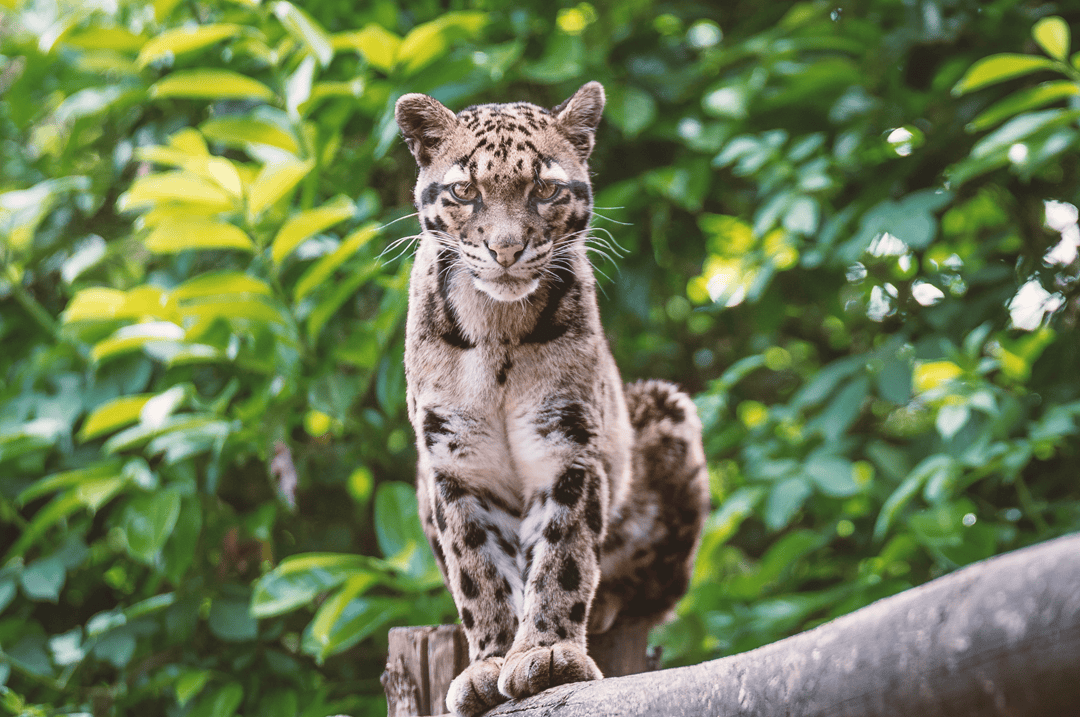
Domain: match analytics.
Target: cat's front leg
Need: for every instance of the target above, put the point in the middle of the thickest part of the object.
(561, 534)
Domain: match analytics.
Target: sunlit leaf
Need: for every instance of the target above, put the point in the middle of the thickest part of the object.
(427, 42)
(275, 181)
(355, 620)
(299, 578)
(306, 31)
(305, 224)
(175, 187)
(998, 68)
(210, 84)
(93, 304)
(221, 283)
(134, 337)
(1024, 100)
(112, 415)
(119, 39)
(239, 132)
(176, 235)
(929, 375)
(67, 479)
(321, 270)
(1052, 34)
(231, 307)
(185, 39)
(378, 45)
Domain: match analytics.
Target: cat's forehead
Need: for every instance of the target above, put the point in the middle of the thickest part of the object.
(514, 141)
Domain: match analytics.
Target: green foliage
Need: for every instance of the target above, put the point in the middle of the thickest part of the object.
(849, 231)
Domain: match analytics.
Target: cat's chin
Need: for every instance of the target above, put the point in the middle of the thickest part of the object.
(506, 289)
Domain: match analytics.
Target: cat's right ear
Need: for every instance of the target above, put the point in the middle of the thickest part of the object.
(425, 123)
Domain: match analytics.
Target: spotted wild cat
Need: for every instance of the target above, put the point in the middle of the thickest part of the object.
(557, 500)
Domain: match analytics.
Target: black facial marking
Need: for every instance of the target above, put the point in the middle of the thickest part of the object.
(577, 612)
(569, 486)
(434, 426)
(431, 193)
(573, 424)
(546, 329)
(466, 618)
(475, 535)
(569, 575)
(594, 516)
(440, 516)
(449, 486)
(468, 587)
(453, 335)
(438, 223)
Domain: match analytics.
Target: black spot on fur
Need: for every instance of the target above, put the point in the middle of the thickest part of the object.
(577, 612)
(449, 486)
(438, 223)
(506, 546)
(468, 586)
(594, 514)
(434, 426)
(569, 486)
(569, 575)
(560, 632)
(553, 533)
(475, 535)
(440, 516)
(540, 624)
(528, 559)
(504, 370)
(466, 618)
(574, 424)
(503, 637)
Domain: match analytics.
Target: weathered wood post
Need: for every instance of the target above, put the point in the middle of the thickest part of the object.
(422, 661)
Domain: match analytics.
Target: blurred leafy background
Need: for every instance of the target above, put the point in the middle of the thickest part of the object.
(849, 229)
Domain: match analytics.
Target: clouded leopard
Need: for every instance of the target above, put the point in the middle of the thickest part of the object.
(556, 499)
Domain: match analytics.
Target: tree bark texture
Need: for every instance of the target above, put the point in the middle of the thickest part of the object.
(997, 638)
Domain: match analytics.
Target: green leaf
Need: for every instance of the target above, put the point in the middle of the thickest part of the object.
(43, 579)
(833, 476)
(220, 283)
(185, 39)
(951, 418)
(325, 628)
(1052, 34)
(56, 510)
(210, 84)
(377, 45)
(926, 470)
(428, 42)
(998, 68)
(112, 415)
(305, 224)
(1024, 100)
(194, 233)
(356, 621)
(67, 479)
(274, 182)
(632, 110)
(307, 31)
(175, 187)
(231, 621)
(190, 684)
(134, 337)
(321, 270)
(784, 501)
(231, 307)
(148, 520)
(222, 702)
(299, 578)
(338, 295)
(240, 132)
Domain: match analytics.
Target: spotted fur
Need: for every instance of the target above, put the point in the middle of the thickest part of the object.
(557, 501)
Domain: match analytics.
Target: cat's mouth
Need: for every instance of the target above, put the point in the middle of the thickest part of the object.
(506, 286)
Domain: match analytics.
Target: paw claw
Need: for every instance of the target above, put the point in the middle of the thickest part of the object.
(476, 690)
(535, 669)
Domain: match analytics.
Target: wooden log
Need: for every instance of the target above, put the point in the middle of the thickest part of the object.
(422, 662)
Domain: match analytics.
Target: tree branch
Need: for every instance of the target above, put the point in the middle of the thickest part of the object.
(999, 637)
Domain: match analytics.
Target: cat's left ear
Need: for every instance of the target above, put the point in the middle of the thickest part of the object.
(580, 115)
(425, 124)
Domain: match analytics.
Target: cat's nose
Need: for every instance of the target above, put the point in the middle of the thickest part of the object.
(506, 251)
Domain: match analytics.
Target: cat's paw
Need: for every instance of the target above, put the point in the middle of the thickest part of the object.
(476, 690)
(535, 669)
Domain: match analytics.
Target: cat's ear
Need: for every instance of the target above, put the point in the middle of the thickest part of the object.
(580, 115)
(425, 123)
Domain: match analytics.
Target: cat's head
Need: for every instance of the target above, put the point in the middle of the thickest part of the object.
(505, 186)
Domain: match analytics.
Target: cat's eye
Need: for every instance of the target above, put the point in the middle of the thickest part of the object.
(463, 191)
(545, 190)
